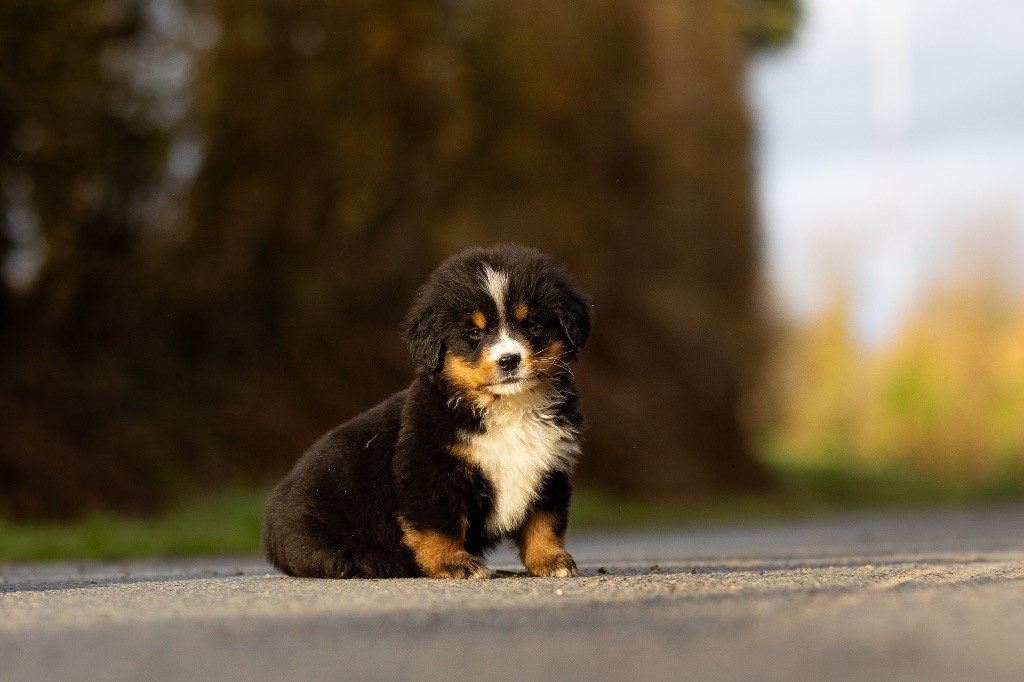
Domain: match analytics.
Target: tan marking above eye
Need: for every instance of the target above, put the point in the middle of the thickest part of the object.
(479, 319)
(521, 311)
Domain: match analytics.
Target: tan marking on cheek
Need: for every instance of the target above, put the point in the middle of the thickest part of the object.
(553, 350)
(547, 359)
(479, 319)
(470, 379)
(465, 375)
(538, 540)
(521, 311)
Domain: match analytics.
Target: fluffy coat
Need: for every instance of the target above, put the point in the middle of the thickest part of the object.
(480, 447)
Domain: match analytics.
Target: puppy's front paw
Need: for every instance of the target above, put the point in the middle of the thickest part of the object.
(461, 567)
(559, 565)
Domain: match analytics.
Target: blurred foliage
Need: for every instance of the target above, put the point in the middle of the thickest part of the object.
(216, 211)
(229, 522)
(944, 399)
(82, 152)
(771, 23)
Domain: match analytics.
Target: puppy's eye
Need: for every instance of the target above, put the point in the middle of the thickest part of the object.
(533, 326)
(475, 334)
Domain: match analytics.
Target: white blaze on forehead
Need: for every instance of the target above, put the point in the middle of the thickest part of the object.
(496, 284)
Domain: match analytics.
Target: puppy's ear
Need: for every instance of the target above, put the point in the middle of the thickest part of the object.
(421, 332)
(573, 311)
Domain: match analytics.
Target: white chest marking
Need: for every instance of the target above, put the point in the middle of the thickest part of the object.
(520, 445)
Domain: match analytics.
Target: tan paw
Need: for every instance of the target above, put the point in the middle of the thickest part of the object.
(463, 566)
(554, 566)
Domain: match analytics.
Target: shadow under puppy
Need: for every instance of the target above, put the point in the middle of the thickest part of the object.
(478, 448)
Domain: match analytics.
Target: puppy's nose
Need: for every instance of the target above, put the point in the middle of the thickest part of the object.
(509, 361)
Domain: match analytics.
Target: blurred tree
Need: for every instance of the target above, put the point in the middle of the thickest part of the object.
(617, 137)
(770, 23)
(80, 157)
(306, 226)
(235, 199)
(343, 164)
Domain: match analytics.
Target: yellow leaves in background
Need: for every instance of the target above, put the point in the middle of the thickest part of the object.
(945, 396)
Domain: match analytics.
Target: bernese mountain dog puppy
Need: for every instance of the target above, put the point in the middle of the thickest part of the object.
(480, 447)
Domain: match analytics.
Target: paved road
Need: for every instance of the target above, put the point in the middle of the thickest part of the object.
(925, 596)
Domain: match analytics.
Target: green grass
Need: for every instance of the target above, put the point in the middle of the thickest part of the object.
(802, 491)
(229, 523)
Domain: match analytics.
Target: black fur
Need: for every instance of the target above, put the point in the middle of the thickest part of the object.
(337, 512)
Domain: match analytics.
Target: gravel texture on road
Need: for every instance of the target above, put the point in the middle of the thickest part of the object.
(927, 596)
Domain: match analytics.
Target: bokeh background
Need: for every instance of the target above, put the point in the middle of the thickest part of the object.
(891, 171)
(801, 225)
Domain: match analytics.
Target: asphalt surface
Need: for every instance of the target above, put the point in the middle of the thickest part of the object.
(927, 596)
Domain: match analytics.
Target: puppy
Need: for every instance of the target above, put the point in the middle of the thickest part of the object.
(480, 447)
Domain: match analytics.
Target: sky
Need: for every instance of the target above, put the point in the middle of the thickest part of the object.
(891, 148)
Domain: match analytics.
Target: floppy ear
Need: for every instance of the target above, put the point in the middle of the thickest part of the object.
(573, 311)
(421, 332)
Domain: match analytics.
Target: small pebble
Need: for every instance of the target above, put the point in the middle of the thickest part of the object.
(694, 571)
(654, 569)
(558, 592)
(602, 571)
